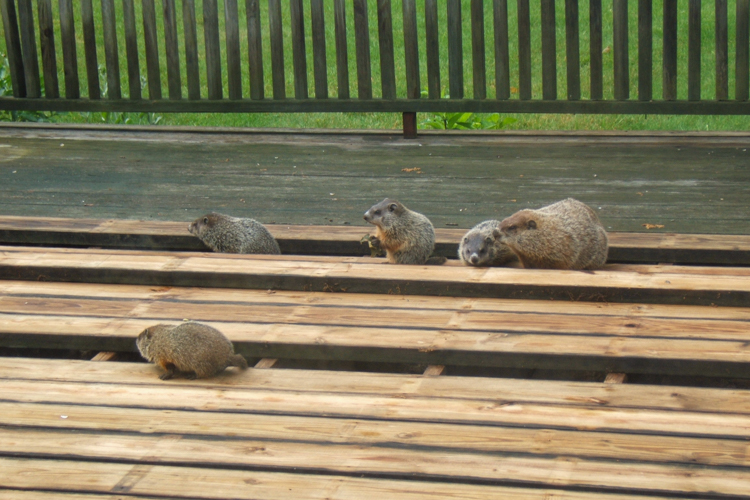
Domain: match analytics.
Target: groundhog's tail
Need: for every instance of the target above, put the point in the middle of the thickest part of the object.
(238, 361)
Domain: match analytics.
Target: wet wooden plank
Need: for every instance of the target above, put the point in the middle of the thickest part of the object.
(502, 50)
(549, 50)
(721, 27)
(13, 47)
(299, 51)
(432, 48)
(455, 50)
(28, 46)
(478, 55)
(277, 49)
(68, 42)
(669, 56)
(524, 50)
(362, 44)
(411, 49)
(320, 66)
(191, 49)
(47, 43)
(89, 47)
(742, 52)
(385, 44)
(232, 31)
(620, 49)
(171, 49)
(131, 49)
(572, 50)
(213, 49)
(255, 49)
(111, 53)
(342, 50)
(694, 50)
(151, 43)
(595, 49)
(645, 50)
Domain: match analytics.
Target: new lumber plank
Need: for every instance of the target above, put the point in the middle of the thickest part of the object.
(345, 240)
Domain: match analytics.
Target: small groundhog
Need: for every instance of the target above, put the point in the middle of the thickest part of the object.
(192, 349)
(223, 233)
(479, 247)
(564, 235)
(406, 236)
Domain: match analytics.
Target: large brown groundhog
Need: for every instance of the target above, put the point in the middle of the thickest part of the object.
(406, 236)
(223, 233)
(480, 248)
(564, 235)
(193, 350)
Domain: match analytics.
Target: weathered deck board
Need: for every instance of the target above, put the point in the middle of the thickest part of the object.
(688, 183)
(345, 240)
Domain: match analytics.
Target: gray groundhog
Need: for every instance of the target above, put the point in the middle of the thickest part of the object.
(406, 236)
(564, 235)
(223, 233)
(480, 248)
(193, 350)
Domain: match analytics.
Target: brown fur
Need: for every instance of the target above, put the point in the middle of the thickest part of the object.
(223, 233)
(479, 247)
(564, 235)
(406, 236)
(192, 349)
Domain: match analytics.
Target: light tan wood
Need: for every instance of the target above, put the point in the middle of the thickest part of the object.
(266, 363)
(616, 378)
(105, 356)
(434, 370)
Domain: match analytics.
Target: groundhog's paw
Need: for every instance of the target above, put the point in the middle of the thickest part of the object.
(166, 376)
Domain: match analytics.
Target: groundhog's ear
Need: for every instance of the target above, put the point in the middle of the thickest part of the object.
(489, 239)
(392, 207)
(531, 224)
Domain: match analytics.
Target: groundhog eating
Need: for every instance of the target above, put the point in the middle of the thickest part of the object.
(406, 236)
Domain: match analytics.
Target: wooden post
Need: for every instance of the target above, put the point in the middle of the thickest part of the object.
(410, 124)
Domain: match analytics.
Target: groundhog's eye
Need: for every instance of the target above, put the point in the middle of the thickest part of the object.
(377, 212)
(512, 228)
(205, 220)
(466, 240)
(532, 224)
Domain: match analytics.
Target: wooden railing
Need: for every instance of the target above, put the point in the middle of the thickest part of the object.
(200, 78)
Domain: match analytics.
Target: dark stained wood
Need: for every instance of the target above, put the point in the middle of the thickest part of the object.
(68, 42)
(502, 51)
(572, 50)
(385, 43)
(255, 49)
(89, 47)
(669, 56)
(213, 49)
(620, 49)
(595, 49)
(742, 51)
(131, 49)
(645, 50)
(694, 50)
(191, 49)
(524, 50)
(277, 49)
(151, 43)
(320, 66)
(478, 55)
(455, 50)
(432, 48)
(362, 43)
(172, 50)
(342, 50)
(232, 29)
(111, 53)
(299, 52)
(721, 31)
(13, 47)
(28, 48)
(47, 43)
(411, 50)
(549, 51)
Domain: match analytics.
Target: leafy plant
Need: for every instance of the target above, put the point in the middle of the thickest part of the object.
(6, 89)
(465, 121)
(118, 117)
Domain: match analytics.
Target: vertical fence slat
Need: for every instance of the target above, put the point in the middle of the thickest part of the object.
(277, 49)
(191, 49)
(549, 51)
(342, 51)
(645, 50)
(595, 49)
(741, 53)
(89, 49)
(573, 50)
(385, 41)
(13, 47)
(320, 69)
(70, 57)
(432, 48)
(411, 49)
(478, 50)
(455, 51)
(152, 50)
(28, 48)
(213, 49)
(502, 54)
(47, 42)
(111, 53)
(362, 42)
(620, 49)
(131, 49)
(669, 64)
(524, 50)
(299, 52)
(694, 50)
(255, 48)
(722, 51)
(172, 49)
(232, 29)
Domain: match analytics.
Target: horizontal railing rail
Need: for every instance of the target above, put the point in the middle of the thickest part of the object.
(484, 56)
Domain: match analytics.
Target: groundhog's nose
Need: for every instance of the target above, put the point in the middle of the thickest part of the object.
(474, 258)
(366, 218)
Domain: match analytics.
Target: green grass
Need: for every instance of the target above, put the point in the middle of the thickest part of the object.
(392, 120)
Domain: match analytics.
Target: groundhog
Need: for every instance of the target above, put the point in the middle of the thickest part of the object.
(564, 235)
(406, 236)
(223, 233)
(479, 247)
(192, 349)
